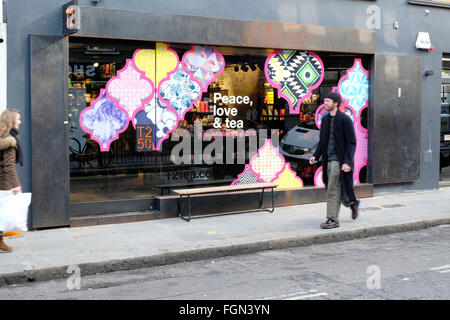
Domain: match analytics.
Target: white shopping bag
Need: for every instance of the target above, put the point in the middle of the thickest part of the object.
(14, 211)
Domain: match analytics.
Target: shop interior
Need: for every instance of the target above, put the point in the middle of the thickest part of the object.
(125, 172)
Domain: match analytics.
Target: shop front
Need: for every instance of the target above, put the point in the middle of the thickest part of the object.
(200, 115)
(218, 102)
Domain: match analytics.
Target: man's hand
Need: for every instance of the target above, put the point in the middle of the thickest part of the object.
(16, 190)
(346, 168)
(312, 160)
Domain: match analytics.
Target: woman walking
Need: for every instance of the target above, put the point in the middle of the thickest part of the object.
(9, 156)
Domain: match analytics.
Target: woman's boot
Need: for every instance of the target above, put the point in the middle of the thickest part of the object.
(3, 246)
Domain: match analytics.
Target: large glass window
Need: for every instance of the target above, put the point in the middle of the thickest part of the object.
(147, 118)
(446, 66)
(444, 159)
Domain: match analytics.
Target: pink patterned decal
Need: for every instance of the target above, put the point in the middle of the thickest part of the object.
(296, 74)
(268, 162)
(320, 112)
(354, 86)
(163, 55)
(103, 120)
(354, 89)
(361, 148)
(268, 165)
(288, 179)
(248, 176)
(180, 91)
(318, 178)
(130, 89)
(205, 63)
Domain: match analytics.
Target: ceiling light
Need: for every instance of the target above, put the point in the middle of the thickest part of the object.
(99, 51)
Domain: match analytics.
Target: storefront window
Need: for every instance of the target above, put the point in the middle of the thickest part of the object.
(446, 73)
(446, 66)
(445, 94)
(147, 118)
(445, 110)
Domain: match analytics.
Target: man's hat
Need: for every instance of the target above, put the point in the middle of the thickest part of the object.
(335, 96)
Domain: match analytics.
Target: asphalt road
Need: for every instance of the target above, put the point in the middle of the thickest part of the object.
(412, 265)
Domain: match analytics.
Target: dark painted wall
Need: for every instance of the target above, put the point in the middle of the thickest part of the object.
(45, 17)
(25, 17)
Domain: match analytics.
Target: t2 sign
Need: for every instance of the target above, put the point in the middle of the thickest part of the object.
(144, 138)
(71, 18)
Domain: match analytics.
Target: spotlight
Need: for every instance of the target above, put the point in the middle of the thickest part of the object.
(244, 68)
(236, 69)
(253, 67)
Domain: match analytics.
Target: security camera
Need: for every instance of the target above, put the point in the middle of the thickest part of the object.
(1, 40)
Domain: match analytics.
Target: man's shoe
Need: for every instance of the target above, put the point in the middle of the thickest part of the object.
(330, 224)
(3, 246)
(355, 209)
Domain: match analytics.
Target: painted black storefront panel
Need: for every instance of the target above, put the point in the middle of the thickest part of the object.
(49, 136)
(133, 25)
(394, 139)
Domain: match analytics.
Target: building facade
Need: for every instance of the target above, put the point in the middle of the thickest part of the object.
(125, 101)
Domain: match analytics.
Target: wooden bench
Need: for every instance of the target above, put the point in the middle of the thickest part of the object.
(167, 186)
(224, 189)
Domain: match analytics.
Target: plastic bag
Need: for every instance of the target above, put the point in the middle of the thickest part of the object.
(14, 211)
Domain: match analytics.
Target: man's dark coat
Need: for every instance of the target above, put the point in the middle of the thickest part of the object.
(345, 142)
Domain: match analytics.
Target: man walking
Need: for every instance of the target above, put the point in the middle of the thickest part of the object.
(337, 147)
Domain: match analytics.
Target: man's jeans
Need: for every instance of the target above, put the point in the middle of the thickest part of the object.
(334, 193)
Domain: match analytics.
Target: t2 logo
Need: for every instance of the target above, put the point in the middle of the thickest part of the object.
(71, 15)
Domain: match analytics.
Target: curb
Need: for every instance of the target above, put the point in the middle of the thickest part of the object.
(54, 273)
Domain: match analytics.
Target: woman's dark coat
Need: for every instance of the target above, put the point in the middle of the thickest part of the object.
(8, 174)
(345, 140)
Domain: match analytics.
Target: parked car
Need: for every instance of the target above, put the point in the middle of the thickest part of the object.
(298, 146)
(300, 142)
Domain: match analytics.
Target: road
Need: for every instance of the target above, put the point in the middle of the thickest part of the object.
(411, 265)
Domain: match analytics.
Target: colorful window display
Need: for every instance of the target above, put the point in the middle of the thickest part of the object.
(203, 115)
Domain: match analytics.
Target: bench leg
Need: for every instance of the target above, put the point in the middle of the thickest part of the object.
(261, 199)
(273, 203)
(190, 211)
(180, 208)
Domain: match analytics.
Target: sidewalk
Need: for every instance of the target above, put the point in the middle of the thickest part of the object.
(45, 255)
